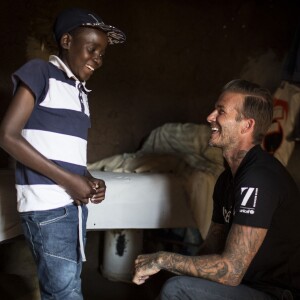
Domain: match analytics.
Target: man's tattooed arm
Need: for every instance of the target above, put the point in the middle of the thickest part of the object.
(228, 267)
(215, 240)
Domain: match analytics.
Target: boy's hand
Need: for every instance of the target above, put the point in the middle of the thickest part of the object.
(84, 189)
(99, 189)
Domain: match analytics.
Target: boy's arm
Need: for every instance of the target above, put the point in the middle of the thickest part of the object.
(79, 187)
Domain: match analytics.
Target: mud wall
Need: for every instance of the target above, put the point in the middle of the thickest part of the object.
(178, 55)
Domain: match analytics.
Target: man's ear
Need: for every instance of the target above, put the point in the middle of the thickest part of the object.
(65, 41)
(249, 125)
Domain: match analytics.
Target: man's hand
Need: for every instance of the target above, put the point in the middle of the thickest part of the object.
(145, 266)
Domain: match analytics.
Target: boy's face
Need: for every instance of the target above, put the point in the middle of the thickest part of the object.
(85, 50)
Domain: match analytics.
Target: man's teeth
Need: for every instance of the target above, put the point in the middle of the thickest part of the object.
(214, 129)
(91, 68)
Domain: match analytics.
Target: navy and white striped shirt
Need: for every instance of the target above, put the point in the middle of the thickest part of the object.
(57, 128)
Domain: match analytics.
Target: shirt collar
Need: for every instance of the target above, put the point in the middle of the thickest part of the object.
(56, 61)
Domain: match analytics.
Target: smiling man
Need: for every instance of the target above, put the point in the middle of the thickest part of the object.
(252, 250)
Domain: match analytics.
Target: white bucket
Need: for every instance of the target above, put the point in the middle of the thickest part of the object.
(121, 248)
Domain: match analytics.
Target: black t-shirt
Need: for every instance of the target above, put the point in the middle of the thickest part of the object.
(263, 194)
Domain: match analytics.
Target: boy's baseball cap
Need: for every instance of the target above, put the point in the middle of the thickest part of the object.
(72, 18)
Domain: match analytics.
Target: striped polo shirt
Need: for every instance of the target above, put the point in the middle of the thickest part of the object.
(57, 128)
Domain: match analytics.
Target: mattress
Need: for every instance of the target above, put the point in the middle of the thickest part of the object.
(145, 200)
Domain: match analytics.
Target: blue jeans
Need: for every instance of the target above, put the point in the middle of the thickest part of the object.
(192, 288)
(53, 238)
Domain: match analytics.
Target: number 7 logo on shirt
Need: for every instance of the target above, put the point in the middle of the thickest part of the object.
(250, 191)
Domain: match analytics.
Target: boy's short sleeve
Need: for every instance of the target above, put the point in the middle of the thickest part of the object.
(35, 75)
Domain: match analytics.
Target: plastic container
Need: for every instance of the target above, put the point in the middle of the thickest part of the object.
(121, 248)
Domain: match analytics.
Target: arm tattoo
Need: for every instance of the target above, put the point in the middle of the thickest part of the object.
(229, 267)
(215, 240)
(242, 245)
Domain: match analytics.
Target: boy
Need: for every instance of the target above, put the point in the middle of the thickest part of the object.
(45, 130)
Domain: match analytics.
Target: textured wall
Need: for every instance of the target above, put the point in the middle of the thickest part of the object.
(178, 55)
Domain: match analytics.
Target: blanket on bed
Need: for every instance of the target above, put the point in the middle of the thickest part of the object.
(181, 149)
(169, 148)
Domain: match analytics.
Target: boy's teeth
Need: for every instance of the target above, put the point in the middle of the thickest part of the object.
(88, 66)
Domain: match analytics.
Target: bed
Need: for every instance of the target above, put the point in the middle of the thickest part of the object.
(173, 175)
(140, 201)
(132, 201)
